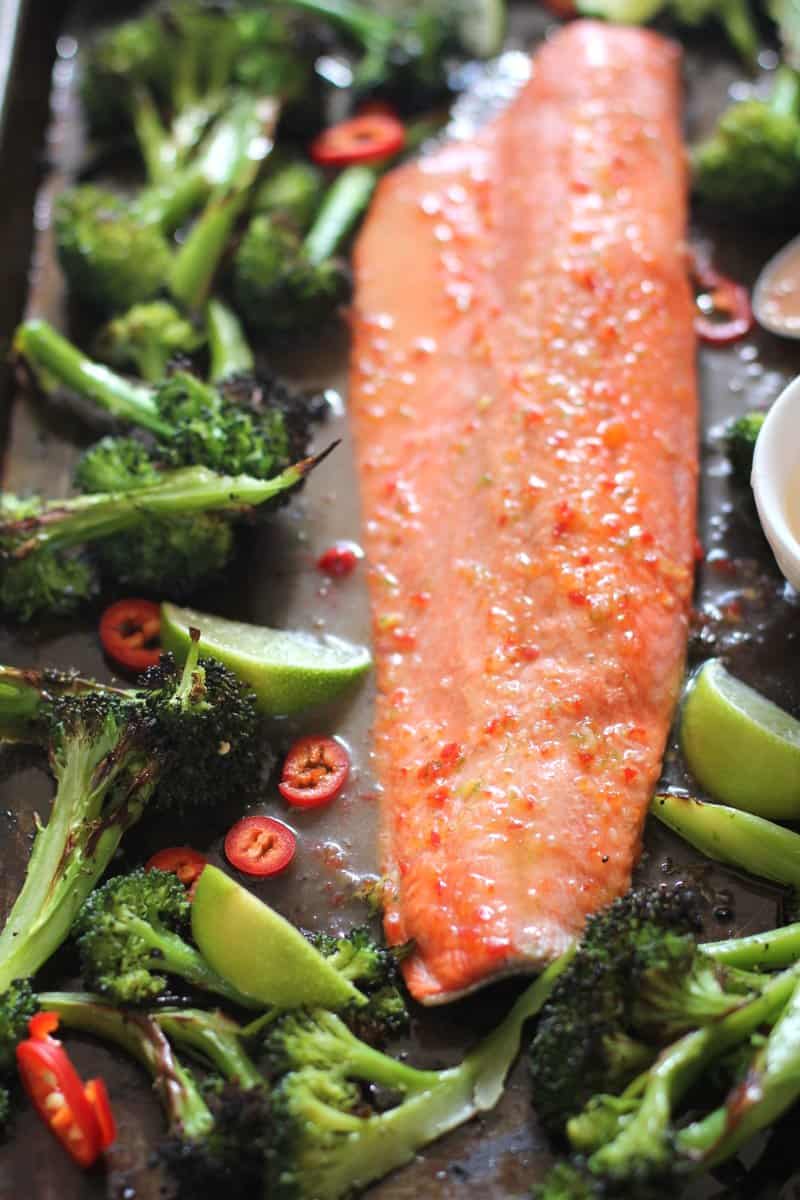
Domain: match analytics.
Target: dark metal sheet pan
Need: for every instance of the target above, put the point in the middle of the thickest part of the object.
(745, 612)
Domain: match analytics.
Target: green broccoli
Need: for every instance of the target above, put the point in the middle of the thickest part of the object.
(185, 743)
(41, 566)
(326, 1142)
(638, 979)
(132, 933)
(373, 968)
(740, 443)
(248, 422)
(281, 282)
(406, 48)
(148, 337)
(292, 194)
(751, 163)
(735, 17)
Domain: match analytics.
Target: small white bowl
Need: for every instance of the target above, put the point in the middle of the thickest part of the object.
(776, 476)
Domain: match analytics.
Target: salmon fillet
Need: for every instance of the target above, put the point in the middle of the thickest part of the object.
(525, 408)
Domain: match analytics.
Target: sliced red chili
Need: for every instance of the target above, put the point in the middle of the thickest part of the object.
(724, 313)
(365, 138)
(339, 559)
(314, 771)
(562, 8)
(184, 861)
(260, 846)
(55, 1089)
(129, 633)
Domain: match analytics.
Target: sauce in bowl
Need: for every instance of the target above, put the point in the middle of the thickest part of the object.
(776, 299)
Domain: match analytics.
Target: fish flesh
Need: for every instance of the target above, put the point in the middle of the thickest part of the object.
(524, 402)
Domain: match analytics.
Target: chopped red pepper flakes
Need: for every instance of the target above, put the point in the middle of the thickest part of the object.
(314, 771)
(79, 1116)
(724, 313)
(340, 559)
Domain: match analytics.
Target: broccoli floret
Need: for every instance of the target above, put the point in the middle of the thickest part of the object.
(174, 555)
(17, 1005)
(281, 282)
(292, 194)
(250, 422)
(569, 1181)
(740, 444)
(112, 258)
(148, 337)
(325, 1140)
(122, 60)
(374, 970)
(36, 550)
(637, 980)
(132, 933)
(751, 163)
(186, 743)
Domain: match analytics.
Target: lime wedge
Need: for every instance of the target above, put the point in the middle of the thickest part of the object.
(481, 26)
(260, 953)
(287, 670)
(743, 749)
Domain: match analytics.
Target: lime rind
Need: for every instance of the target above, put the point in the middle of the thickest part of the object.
(742, 749)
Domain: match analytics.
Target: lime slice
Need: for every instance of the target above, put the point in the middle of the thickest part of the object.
(287, 670)
(743, 749)
(260, 953)
(481, 26)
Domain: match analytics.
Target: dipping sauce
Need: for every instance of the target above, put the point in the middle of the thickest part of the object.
(777, 296)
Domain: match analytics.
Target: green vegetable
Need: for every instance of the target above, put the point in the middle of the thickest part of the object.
(740, 439)
(637, 980)
(325, 1142)
(184, 744)
(40, 542)
(751, 163)
(148, 337)
(735, 17)
(281, 282)
(407, 45)
(740, 839)
(291, 194)
(132, 933)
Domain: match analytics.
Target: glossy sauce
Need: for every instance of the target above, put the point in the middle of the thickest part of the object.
(778, 303)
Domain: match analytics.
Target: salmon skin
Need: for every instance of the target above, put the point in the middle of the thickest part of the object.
(525, 408)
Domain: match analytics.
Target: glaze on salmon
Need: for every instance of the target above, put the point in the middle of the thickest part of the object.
(524, 399)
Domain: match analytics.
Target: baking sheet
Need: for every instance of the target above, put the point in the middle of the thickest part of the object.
(744, 611)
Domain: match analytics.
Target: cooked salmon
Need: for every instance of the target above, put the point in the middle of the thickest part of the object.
(525, 407)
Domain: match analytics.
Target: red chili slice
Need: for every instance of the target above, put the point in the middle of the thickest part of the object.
(730, 315)
(129, 633)
(260, 846)
(188, 864)
(314, 772)
(365, 138)
(339, 559)
(79, 1117)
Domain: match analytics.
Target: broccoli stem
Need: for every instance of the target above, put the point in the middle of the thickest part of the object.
(771, 1085)
(61, 873)
(344, 202)
(215, 1039)
(732, 836)
(140, 1036)
(363, 24)
(157, 150)
(170, 953)
(737, 21)
(89, 518)
(195, 263)
(676, 1070)
(55, 361)
(22, 694)
(229, 350)
(391, 1139)
(785, 96)
(767, 951)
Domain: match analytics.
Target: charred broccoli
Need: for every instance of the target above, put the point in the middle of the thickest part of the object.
(185, 742)
(42, 570)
